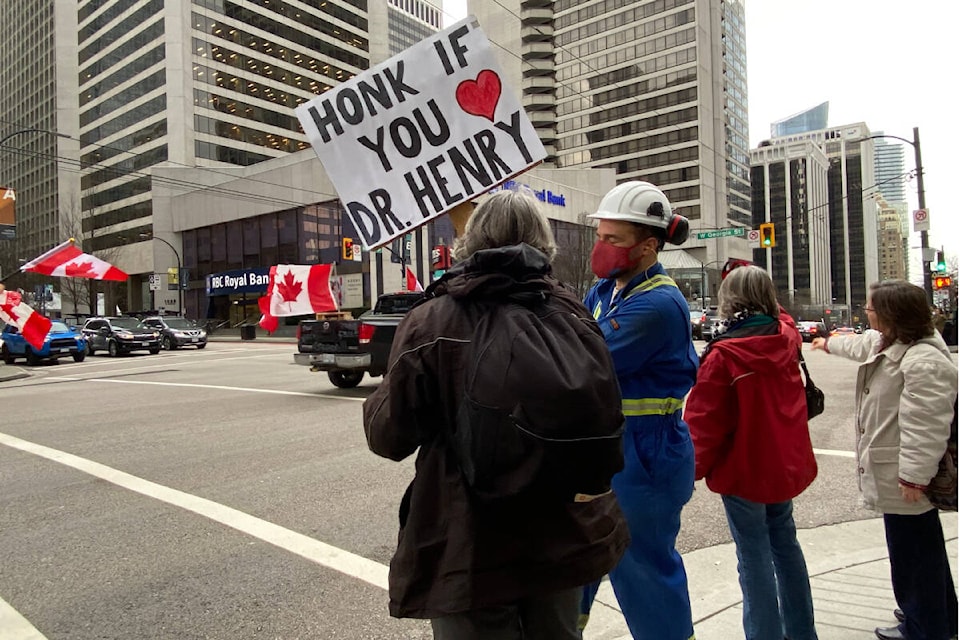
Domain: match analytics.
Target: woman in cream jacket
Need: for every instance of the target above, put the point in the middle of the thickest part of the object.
(905, 395)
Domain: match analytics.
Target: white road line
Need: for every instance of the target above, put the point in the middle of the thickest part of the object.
(835, 452)
(14, 626)
(204, 386)
(323, 554)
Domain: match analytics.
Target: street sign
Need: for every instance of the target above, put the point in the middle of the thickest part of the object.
(921, 220)
(154, 282)
(753, 237)
(719, 233)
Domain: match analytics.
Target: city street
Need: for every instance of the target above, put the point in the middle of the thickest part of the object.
(229, 493)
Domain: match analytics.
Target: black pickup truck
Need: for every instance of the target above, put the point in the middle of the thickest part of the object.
(346, 349)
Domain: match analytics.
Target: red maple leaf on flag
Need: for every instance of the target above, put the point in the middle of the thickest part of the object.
(289, 289)
(79, 270)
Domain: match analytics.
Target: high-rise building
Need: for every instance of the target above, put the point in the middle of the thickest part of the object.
(654, 90)
(789, 183)
(891, 182)
(892, 245)
(852, 211)
(810, 120)
(39, 148)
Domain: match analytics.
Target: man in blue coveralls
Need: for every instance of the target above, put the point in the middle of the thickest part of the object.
(646, 323)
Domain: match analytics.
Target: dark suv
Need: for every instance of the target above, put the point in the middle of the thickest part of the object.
(117, 335)
(176, 332)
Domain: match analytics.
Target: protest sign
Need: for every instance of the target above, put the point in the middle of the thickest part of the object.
(411, 138)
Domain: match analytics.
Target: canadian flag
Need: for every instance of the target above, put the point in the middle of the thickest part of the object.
(32, 326)
(295, 290)
(67, 261)
(412, 283)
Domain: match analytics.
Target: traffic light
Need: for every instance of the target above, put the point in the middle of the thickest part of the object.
(942, 282)
(941, 263)
(347, 244)
(768, 238)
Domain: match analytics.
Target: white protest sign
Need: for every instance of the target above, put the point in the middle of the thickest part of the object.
(409, 139)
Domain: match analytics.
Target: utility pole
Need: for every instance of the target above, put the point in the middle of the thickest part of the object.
(924, 235)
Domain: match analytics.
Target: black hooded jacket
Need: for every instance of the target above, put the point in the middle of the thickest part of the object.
(453, 553)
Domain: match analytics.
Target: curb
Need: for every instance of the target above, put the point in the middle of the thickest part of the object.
(12, 372)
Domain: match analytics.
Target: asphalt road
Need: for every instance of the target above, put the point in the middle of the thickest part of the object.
(228, 493)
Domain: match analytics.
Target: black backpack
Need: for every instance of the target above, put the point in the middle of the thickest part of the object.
(942, 490)
(541, 412)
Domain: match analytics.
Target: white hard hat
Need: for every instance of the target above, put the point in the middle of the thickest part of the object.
(645, 204)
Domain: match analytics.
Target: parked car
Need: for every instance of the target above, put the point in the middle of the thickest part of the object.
(61, 341)
(696, 319)
(810, 330)
(177, 331)
(118, 335)
(842, 331)
(709, 324)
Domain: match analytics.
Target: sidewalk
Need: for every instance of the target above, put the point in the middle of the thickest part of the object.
(849, 575)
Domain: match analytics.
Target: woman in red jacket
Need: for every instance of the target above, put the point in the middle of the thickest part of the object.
(748, 421)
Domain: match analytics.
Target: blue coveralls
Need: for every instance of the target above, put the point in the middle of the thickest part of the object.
(647, 327)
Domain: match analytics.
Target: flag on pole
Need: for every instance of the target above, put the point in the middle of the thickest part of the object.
(67, 261)
(295, 290)
(412, 283)
(32, 326)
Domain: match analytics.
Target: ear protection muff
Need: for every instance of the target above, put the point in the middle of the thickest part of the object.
(678, 228)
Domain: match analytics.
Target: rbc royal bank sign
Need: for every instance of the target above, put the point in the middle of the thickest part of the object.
(238, 281)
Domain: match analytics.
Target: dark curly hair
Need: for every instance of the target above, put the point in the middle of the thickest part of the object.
(902, 309)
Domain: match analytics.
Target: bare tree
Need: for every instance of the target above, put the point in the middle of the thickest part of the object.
(574, 245)
(81, 292)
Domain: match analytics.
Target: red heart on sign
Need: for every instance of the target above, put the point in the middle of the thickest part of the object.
(479, 97)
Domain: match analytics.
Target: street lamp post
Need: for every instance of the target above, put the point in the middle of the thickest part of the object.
(921, 199)
(147, 236)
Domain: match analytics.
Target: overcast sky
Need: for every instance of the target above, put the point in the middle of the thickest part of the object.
(887, 63)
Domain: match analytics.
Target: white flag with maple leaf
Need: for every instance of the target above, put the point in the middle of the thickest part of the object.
(297, 289)
(67, 261)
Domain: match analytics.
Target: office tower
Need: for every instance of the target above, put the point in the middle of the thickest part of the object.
(654, 90)
(789, 183)
(39, 149)
(810, 120)
(892, 244)
(892, 177)
(852, 211)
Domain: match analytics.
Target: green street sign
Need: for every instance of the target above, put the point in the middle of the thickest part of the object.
(733, 231)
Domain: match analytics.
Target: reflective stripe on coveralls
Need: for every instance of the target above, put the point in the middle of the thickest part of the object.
(647, 406)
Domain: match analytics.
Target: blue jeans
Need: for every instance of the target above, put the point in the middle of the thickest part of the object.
(773, 574)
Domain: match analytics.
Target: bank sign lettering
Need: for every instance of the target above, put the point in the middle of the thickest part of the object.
(411, 138)
(238, 281)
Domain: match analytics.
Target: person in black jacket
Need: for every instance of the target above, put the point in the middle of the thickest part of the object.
(481, 570)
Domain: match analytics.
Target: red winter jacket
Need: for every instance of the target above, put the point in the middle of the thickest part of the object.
(748, 416)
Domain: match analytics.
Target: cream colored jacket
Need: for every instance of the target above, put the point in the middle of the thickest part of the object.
(904, 401)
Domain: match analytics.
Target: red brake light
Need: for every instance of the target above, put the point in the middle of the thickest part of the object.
(366, 332)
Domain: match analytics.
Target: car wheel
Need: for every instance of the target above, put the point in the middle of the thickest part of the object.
(155, 351)
(32, 358)
(113, 349)
(7, 356)
(79, 356)
(345, 379)
(201, 346)
(168, 344)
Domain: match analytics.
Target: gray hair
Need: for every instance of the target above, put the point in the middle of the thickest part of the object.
(748, 288)
(506, 218)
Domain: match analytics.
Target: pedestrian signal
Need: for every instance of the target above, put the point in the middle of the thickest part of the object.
(348, 248)
(768, 238)
(942, 282)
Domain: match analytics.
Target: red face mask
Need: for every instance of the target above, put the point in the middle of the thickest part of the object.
(608, 261)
